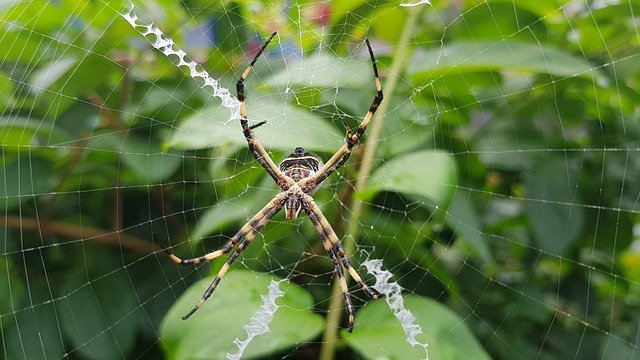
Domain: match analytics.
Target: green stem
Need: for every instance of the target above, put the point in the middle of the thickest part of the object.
(330, 337)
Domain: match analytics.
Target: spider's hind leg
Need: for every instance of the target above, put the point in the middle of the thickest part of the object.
(200, 259)
(370, 291)
(338, 255)
(247, 233)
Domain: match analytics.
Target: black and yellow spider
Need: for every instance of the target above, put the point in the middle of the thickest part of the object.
(298, 176)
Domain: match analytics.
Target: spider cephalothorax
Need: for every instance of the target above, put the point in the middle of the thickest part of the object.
(298, 176)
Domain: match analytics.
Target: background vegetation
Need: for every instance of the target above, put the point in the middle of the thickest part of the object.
(499, 186)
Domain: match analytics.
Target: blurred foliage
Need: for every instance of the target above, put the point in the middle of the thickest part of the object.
(506, 184)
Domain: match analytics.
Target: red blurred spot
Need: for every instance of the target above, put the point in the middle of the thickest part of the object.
(319, 14)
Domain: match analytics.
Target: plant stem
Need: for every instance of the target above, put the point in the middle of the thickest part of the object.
(330, 337)
(77, 232)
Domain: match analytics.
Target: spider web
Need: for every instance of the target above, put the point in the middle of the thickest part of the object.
(495, 205)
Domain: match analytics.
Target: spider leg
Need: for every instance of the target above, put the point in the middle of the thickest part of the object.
(342, 155)
(334, 248)
(345, 289)
(245, 235)
(338, 270)
(200, 259)
(239, 236)
(255, 146)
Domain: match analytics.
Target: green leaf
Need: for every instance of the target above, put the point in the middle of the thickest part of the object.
(323, 70)
(44, 78)
(232, 210)
(98, 315)
(287, 127)
(210, 332)
(6, 93)
(463, 57)
(61, 81)
(20, 46)
(25, 134)
(148, 161)
(428, 174)
(494, 19)
(11, 288)
(33, 332)
(379, 335)
(464, 220)
(31, 13)
(143, 156)
(24, 179)
(553, 205)
(503, 146)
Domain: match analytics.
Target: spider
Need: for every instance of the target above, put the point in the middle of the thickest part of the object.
(298, 176)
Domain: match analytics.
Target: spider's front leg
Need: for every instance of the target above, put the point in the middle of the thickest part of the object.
(255, 146)
(342, 155)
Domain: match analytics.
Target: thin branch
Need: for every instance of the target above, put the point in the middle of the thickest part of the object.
(107, 118)
(49, 227)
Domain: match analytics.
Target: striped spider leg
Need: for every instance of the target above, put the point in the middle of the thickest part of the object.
(244, 236)
(342, 155)
(334, 248)
(255, 146)
(298, 176)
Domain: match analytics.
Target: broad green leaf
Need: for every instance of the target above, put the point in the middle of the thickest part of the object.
(228, 211)
(98, 315)
(491, 20)
(143, 157)
(506, 146)
(25, 134)
(211, 331)
(11, 288)
(463, 219)
(44, 78)
(629, 262)
(524, 57)
(340, 9)
(61, 81)
(148, 161)
(615, 32)
(323, 70)
(20, 46)
(428, 174)
(24, 179)
(6, 93)
(41, 16)
(287, 127)
(553, 204)
(379, 335)
(33, 331)
(545, 9)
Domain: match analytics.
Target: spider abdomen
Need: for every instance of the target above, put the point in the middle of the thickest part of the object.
(300, 164)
